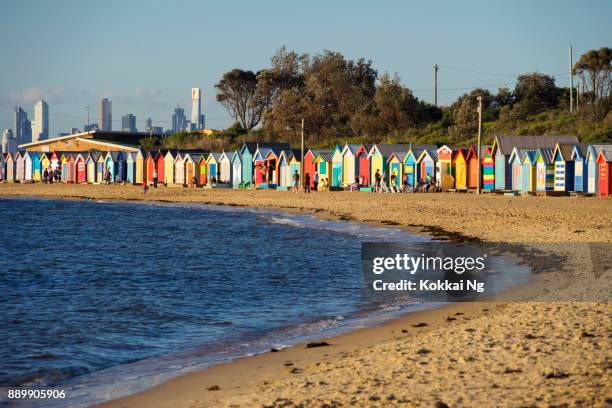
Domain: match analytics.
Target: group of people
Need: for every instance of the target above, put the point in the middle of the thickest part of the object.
(49, 176)
(403, 186)
(317, 184)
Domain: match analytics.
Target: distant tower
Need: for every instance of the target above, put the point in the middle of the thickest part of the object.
(128, 123)
(9, 144)
(148, 125)
(23, 127)
(40, 126)
(105, 117)
(196, 108)
(179, 120)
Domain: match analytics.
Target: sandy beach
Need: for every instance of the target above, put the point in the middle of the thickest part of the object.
(536, 352)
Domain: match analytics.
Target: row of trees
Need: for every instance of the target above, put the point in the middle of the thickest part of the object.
(341, 98)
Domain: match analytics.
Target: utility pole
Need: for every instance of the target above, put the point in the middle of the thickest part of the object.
(302, 158)
(87, 107)
(479, 98)
(571, 81)
(577, 95)
(435, 84)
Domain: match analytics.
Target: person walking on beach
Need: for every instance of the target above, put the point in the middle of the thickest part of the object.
(296, 181)
(377, 181)
(108, 177)
(154, 178)
(144, 187)
(45, 176)
(393, 184)
(315, 180)
(405, 184)
(383, 183)
(307, 183)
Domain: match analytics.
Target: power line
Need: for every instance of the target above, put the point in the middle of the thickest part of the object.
(490, 73)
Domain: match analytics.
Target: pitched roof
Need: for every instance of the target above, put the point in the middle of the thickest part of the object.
(252, 146)
(505, 144)
(566, 150)
(401, 156)
(606, 154)
(387, 149)
(326, 156)
(547, 154)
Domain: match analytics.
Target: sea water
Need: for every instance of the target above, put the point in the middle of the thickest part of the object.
(105, 299)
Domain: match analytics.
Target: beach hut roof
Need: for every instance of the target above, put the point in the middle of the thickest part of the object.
(606, 154)
(529, 156)
(433, 153)
(579, 151)
(236, 156)
(387, 149)
(253, 146)
(546, 154)
(401, 156)
(593, 150)
(117, 156)
(325, 156)
(505, 144)
(565, 149)
(216, 156)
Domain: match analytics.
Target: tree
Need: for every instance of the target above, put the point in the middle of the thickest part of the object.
(397, 107)
(465, 115)
(536, 92)
(595, 70)
(238, 92)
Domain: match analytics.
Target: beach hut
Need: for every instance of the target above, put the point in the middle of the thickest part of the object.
(294, 165)
(150, 166)
(169, 167)
(70, 160)
(64, 167)
(55, 161)
(545, 173)
(115, 163)
(395, 167)
(528, 171)
(28, 166)
(323, 164)
(45, 163)
(140, 164)
(247, 151)
(179, 169)
(90, 163)
(488, 169)
(260, 168)
(378, 156)
(100, 167)
(80, 168)
(426, 164)
(225, 167)
(192, 167)
(352, 156)
(502, 149)
(592, 173)
(337, 173)
(213, 167)
(516, 163)
(473, 165)
(160, 165)
(411, 167)
(309, 164)
(36, 172)
(580, 167)
(130, 167)
(604, 168)
(3, 166)
(460, 168)
(10, 166)
(564, 167)
(284, 174)
(444, 168)
(203, 172)
(19, 158)
(236, 162)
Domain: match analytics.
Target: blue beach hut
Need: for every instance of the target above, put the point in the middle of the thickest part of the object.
(564, 167)
(580, 167)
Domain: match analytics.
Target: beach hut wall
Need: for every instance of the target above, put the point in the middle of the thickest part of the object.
(203, 169)
(362, 160)
(179, 169)
(55, 162)
(19, 166)
(294, 165)
(36, 171)
(592, 172)
(11, 167)
(45, 162)
(323, 164)
(516, 165)
(528, 171)
(604, 170)
(236, 169)
(140, 164)
(427, 164)
(309, 165)
(80, 169)
(488, 169)
(444, 168)
(90, 163)
(100, 167)
(580, 167)
(28, 166)
(411, 167)
(169, 167)
(213, 167)
(395, 164)
(545, 174)
(64, 167)
(160, 165)
(349, 164)
(3, 166)
(337, 173)
(284, 174)
(564, 167)
(460, 168)
(70, 160)
(150, 164)
(225, 167)
(130, 167)
(473, 164)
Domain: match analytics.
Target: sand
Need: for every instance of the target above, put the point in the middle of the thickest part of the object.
(537, 352)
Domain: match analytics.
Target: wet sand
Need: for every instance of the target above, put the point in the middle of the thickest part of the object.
(538, 352)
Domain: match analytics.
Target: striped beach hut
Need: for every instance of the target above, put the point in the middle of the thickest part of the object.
(100, 167)
(395, 166)
(90, 163)
(36, 171)
(545, 173)
(80, 168)
(236, 162)
(564, 167)
(337, 172)
(604, 170)
(502, 149)
(528, 171)
(516, 163)
(580, 167)
(10, 166)
(444, 169)
(140, 164)
(592, 173)
(203, 171)
(488, 169)
(169, 167)
(130, 167)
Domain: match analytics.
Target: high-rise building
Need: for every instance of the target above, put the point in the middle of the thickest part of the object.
(128, 123)
(90, 127)
(148, 125)
(23, 127)
(9, 143)
(105, 117)
(179, 120)
(196, 108)
(40, 125)
(74, 130)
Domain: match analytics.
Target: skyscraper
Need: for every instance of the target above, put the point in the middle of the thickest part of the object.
(196, 108)
(40, 125)
(148, 125)
(179, 120)
(128, 123)
(105, 117)
(9, 144)
(23, 127)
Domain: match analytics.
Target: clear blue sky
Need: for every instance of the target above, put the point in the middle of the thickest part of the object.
(147, 55)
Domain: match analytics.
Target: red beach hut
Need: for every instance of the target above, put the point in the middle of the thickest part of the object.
(604, 167)
(159, 164)
(472, 171)
(309, 165)
(80, 169)
(363, 163)
(150, 165)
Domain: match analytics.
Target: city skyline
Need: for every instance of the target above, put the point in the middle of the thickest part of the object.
(396, 36)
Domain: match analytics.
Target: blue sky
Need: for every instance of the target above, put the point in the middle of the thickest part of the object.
(147, 55)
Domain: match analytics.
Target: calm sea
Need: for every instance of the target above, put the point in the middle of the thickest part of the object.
(105, 299)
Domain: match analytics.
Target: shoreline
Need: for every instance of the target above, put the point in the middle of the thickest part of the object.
(253, 373)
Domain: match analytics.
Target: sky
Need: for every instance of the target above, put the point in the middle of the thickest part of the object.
(145, 56)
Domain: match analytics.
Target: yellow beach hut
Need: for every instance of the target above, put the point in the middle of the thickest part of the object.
(169, 167)
(141, 157)
(460, 168)
(323, 165)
